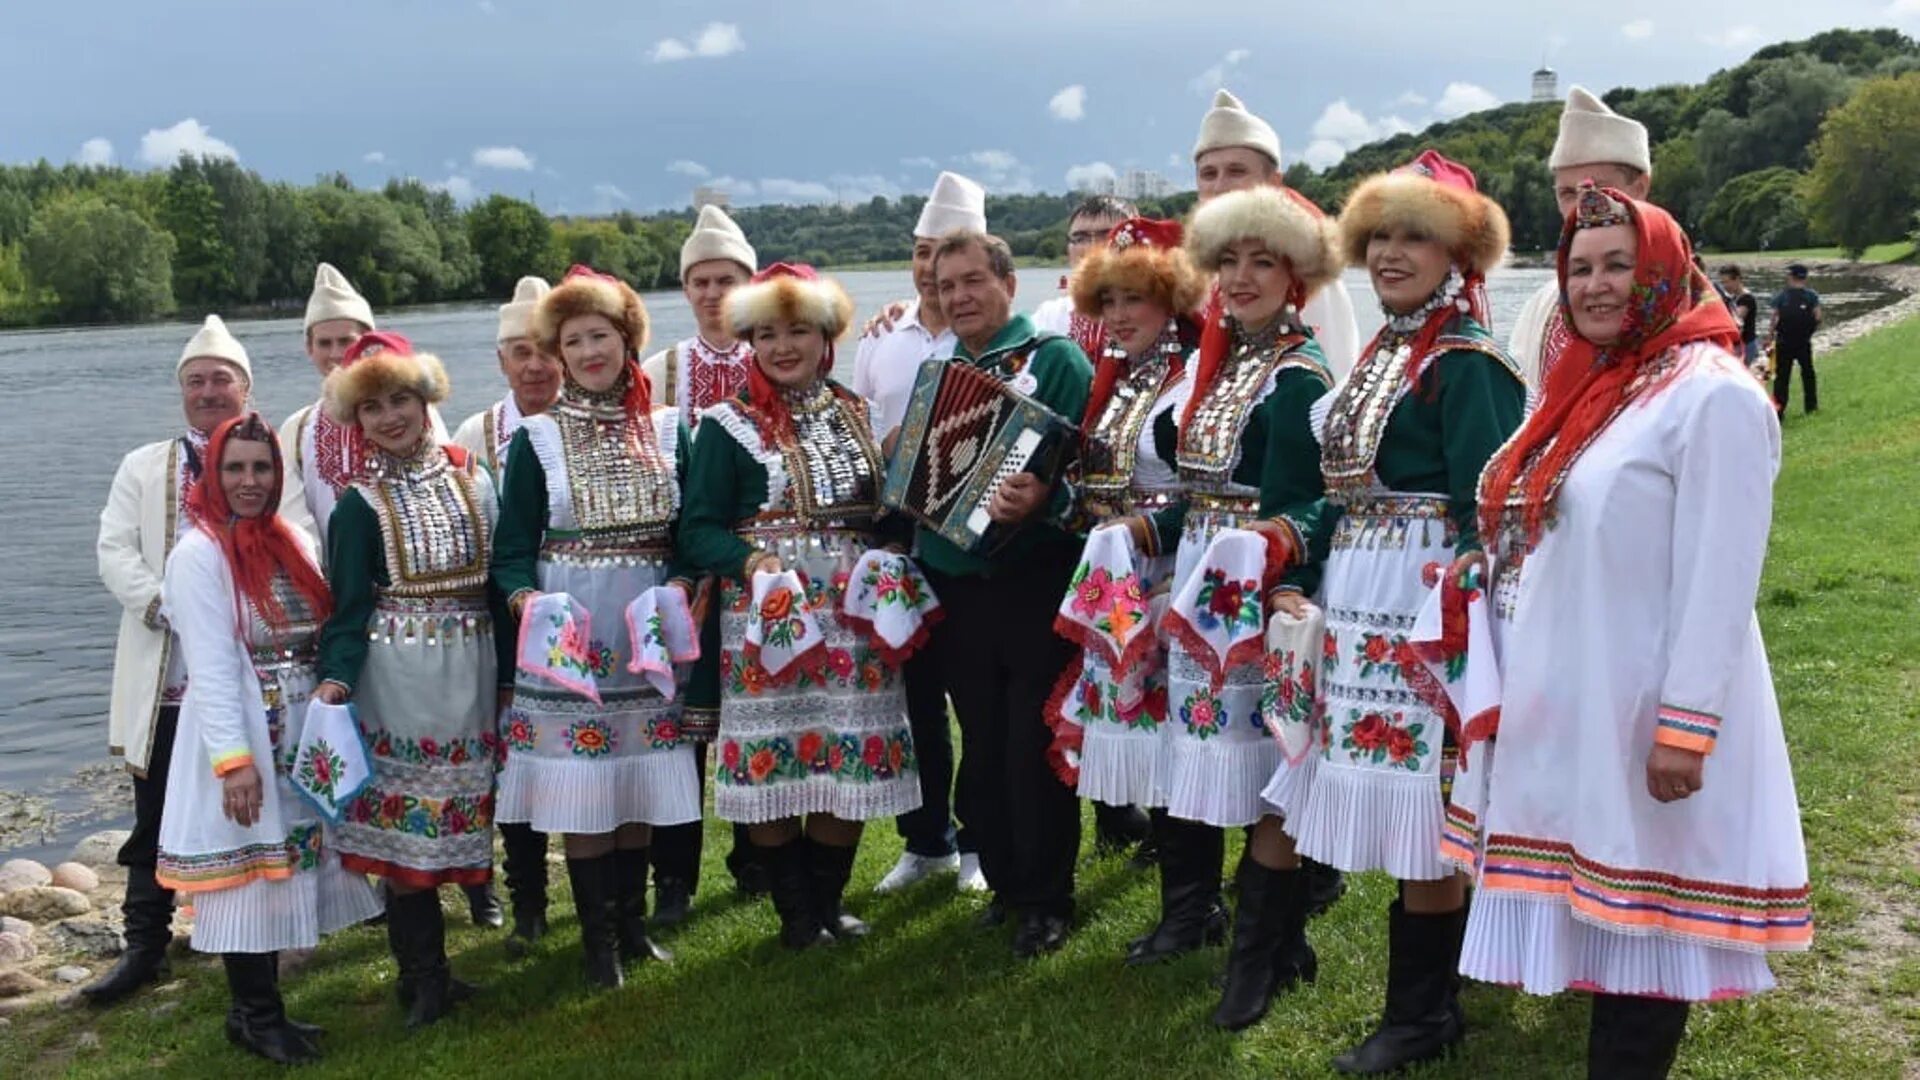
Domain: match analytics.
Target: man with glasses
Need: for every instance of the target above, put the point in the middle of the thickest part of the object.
(1087, 229)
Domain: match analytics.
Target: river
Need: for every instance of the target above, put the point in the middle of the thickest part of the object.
(83, 397)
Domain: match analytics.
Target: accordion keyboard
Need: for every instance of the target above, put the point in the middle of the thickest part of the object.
(1018, 455)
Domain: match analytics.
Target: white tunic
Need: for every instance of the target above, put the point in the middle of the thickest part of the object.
(1528, 342)
(1054, 316)
(1632, 623)
(487, 434)
(314, 479)
(885, 365)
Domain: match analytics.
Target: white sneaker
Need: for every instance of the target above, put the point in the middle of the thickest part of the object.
(971, 877)
(912, 868)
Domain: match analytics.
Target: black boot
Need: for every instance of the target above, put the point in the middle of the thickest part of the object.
(792, 889)
(1634, 1038)
(1117, 828)
(1269, 951)
(747, 862)
(525, 865)
(1191, 911)
(1422, 1019)
(830, 868)
(257, 1019)
(672, 901)
(149, 917)
(484, 906)
(630, 892)
(676, 871)
(595, 889)
(417, 935)
(1325, 886)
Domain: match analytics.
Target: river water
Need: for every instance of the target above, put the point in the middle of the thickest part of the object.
(82, 398)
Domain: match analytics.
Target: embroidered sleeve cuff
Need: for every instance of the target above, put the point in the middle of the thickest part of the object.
(229, 761)
(518, 601)
(1281, 590)
(152, 616)
(1686, 729)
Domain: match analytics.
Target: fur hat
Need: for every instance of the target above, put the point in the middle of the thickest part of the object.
(716, 236)
(955, 203)
(1141, 255)
(1229, 123)
(1592, 134)
(1283, 220)
(585, 291)
(790, 292)
(379, 364)
(334, 297)
(213, 340)
(1435, 195)
(517, 313)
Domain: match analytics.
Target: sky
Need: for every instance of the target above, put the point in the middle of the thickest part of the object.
(592, 106)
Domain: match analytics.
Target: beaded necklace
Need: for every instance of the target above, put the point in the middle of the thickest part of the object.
(1210, 441)
(619, 479)
(431, 523)
(1113, 439)
(832, 463)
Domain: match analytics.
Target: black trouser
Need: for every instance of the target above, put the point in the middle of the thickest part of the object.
(930, 830)
(677, 848)
(149, 908)
(1000, 658)
(1785, 355)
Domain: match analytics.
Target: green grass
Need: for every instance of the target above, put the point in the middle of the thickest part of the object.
(1899, 251)
(929, 996)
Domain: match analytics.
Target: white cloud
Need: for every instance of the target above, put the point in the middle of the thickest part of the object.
(1323, 153)
(1069, 104)
(1902, 8)
(1216, 76)
(374, 157)
(94, 152)
(1744, 36)
(739, 189)
(689, 168)
(998, 170)
(503, 157)
(921, 162)
(1409, 100)
(862, 187)
(610, 193)
(715, 39)
(1093, 176)
(1638, 29)
(487, 7)
(459, 187)
(449, 164)
(163, 146)
(1342, 127)
(1461, 98)
(994, 160)
(779, 189)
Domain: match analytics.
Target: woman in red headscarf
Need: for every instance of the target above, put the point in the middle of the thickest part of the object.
(590, 508)
(786, 477)
(1402, 444)
(1634, 825)
(244, 597)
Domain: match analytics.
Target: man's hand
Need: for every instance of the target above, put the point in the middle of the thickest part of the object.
(1673, 773)
(1018, 498)
(883, 321)
(241, 794)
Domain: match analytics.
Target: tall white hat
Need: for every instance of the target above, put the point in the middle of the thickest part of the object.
(1229, 123)
(1592, 134)
(212, 340)
(334, 297)
(516, 313)
(956, 203)
(717, 236)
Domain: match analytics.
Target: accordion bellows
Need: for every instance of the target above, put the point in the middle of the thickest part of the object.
(964, 432)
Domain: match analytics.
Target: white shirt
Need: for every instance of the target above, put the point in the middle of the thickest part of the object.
(1055, 315)
(1528, 342)
(885, 366)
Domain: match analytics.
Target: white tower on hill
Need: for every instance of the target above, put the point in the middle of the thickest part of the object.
(1546, 85)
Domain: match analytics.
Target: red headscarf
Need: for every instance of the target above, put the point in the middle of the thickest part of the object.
(256, 548)
(1672, 304)
(638, 400)
(1107, 370)
(771, 415)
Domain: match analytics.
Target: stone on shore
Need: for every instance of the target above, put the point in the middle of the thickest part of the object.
(76, 876)
(44, 903)
(88, 937)
(23, 874)
(15, 984)
(71, 974)
(16, 948)
(99, 849)
(11, 925)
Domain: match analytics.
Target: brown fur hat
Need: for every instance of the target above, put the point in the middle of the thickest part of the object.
(1439, 198)
(1289, 226)
(789, 292)
(1164, 273)
(381, 373)
(589, 292)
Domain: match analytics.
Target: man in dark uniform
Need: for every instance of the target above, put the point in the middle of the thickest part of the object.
(1796, 316)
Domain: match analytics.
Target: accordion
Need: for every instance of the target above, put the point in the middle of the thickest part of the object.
(964, 432)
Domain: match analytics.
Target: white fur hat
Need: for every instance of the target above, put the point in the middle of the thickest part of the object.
(334, 297)
(1592, 134)
(717, 236)
(956, 203)
(213, 340)
(516, 314)
(1229, 123)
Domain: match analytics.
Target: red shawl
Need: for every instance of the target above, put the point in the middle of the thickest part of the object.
(258, 548)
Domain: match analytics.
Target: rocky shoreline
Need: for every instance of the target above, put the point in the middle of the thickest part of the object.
(59, 926)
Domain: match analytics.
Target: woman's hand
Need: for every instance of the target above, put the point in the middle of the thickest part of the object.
(241, 794)
(517, 603)
(1293, 603)
(1673, 773)
(768, 564)
(1274, 534)
(331, 692)
(1467, 562)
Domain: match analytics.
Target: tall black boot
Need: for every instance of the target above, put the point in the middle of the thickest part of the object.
(484, 906)
(1269, 951)
(257, 1019)
(525, 864)
(149, 920)
(1634, 1038)
(1325, 886)
(830, 868)
(746, 862)
(594, 892)
(417, 936)
(630, 899)
(1117, 828)
(1191, 911)
(1422, 1019)
(792, 889)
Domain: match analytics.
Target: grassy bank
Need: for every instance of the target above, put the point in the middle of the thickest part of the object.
(929, 996)
(1900, 251)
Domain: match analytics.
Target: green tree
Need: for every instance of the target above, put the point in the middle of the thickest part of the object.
(292, 239)
(1757, 211)
(99, 261)
(202, 261)
(1865, 185)
(243, 223)
(1679, 184)
(511, 238)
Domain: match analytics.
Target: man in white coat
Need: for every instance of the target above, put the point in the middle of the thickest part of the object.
(1238, 150)
(533, 381)
(711, 366)
(145, 513)
(1594, 143)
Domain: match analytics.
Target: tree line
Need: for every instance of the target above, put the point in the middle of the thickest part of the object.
(1806, 143)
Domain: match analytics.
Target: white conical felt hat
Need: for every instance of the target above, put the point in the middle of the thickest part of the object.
(334, 297)
(717, 236)
(956, 203)
(1229, 123)
(516, 313)
(213, 340)
(1592, 134)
